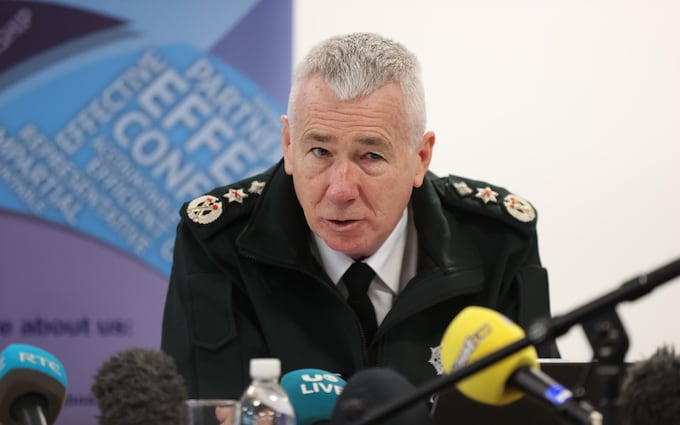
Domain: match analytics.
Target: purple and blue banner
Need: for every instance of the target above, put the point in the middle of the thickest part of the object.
(112, 114)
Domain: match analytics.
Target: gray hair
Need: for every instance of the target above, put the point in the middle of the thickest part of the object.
(356, 65)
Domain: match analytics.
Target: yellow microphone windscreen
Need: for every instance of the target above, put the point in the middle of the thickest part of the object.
(475, 333)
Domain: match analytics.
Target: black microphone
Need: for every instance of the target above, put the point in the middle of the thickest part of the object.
(650, 390)
(372, 387)
(544, 389)
(32, 386)
(140, 386)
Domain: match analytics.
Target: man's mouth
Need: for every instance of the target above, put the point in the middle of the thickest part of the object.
(342, 223)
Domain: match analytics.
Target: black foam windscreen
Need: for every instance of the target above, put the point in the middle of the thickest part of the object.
(138, 385)
(650, 390)
(373, 387)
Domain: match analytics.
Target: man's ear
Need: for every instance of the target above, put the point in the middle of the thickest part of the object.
(286, 145)
(423, 157)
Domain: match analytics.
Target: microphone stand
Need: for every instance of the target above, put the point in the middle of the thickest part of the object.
(609, 342)
(541, 331)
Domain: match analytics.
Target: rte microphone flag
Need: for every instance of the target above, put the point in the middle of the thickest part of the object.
(32, 385)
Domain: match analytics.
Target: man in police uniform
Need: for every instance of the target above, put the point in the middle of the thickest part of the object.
(259, 264)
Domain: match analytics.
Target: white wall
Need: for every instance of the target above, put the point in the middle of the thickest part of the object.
(574, 105)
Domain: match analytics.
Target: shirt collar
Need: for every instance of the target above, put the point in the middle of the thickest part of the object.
(386, 262)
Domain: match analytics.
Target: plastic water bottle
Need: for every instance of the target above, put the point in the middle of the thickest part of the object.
(265, 401)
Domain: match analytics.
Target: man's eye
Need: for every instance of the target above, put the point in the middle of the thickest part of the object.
(373, 156)
(320, 152)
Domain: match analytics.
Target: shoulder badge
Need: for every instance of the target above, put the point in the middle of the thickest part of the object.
(238, 194)
(519, 208)
(204, 209)
(486, 194)
(224, 206)
(235, 195)
(488, 200)
(256, 187)
(462, 188)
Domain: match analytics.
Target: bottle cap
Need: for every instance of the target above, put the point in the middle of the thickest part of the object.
(265, 368)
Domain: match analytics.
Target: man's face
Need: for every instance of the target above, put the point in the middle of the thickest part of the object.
(352, 166)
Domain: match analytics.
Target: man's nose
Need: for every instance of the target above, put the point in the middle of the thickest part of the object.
(343, 181)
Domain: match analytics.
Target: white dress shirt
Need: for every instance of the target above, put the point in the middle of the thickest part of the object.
(394, 264)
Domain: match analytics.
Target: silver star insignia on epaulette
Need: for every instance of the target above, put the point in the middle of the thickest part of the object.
(486, 194)
(256, 187)
(462, 188)
(235, 195)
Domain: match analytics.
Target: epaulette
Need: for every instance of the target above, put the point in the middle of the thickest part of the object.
(489, 200)
(209, 213)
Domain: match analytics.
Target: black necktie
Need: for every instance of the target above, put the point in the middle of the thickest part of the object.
(357, 278)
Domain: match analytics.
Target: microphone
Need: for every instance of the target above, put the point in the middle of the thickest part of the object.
(650, 389)
(372, 387)
(477, 332)
(32, 385)
(140, 385)
(313, 393)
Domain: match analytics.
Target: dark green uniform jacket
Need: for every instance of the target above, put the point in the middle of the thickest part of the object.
(244, 283)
